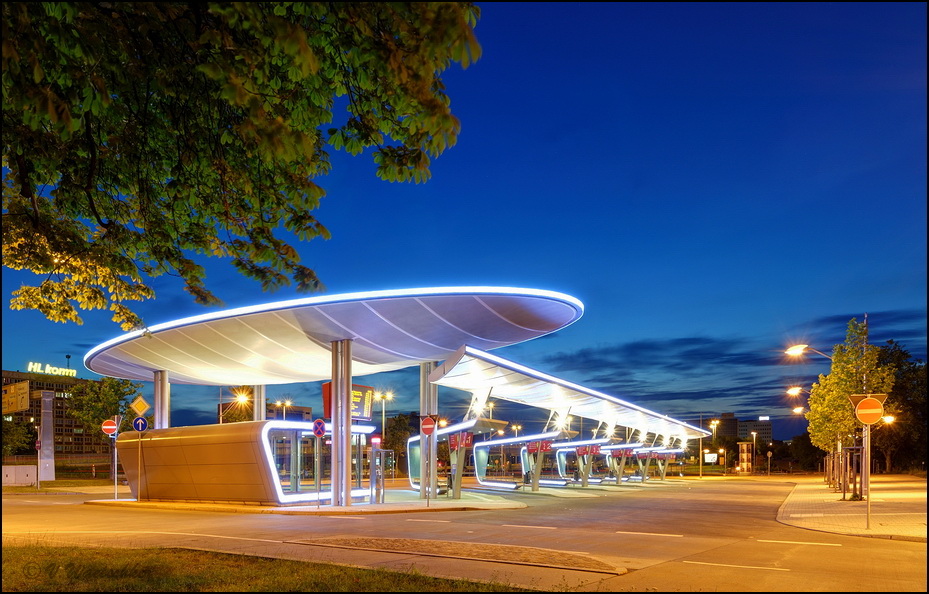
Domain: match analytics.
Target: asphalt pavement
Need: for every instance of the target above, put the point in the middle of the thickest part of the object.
(897, 510)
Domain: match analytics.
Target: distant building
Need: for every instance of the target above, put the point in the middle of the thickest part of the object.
(294, 413)
(761, 427)
(69, 435)
(729, 426)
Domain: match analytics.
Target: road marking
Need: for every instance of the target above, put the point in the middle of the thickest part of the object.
(353, 517)
(737, 566)
(801, 542)
(136, 533)
(524, 526)
(433, 521)
(650, 534)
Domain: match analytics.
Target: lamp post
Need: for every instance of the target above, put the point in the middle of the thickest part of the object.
(500, 433)
(798, 349)
(516, 429)
(722, 454)
(283, 404)
(240, 400)
(754, 441)
(490, 409)
(713, 425)
(383, 397)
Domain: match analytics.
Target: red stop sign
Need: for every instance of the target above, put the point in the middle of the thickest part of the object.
(869, 411)
(427, 425)
(109, 426)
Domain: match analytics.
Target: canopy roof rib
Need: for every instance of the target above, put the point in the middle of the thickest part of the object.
(290, 341)
(473, 370)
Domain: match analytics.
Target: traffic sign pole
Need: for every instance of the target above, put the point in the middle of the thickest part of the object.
(869, 409)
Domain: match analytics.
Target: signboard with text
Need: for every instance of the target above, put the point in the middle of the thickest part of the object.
(362, 401)
(15, 397)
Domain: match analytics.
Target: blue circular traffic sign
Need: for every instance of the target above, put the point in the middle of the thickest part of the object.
(140, 424)
(319, 427)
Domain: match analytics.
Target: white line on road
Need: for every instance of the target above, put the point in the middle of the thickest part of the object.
(801, 542)
(523, 526)
(433, 521)
(737, 566)
(135, 533)
(650, 534)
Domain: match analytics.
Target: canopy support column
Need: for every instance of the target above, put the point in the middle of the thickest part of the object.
(428, 405)
(259, 403)
(162, 400)
(341, 423)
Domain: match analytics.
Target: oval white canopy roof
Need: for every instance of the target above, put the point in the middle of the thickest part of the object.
(472, 370)
(290, 341)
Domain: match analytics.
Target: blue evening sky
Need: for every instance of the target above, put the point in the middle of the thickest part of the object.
(715, 181)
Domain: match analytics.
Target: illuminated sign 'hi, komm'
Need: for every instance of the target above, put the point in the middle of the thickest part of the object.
(38, 368)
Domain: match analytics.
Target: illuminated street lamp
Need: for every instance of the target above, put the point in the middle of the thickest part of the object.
(754, 441)
(516, 429)
(283, 404)
(490, 409)
(713, 425)
(501, 433)
(798, 349)
(241, 399)
(383, 397)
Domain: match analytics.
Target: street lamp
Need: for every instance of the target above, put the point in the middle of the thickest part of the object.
(501, 433)
(795, 391)
(516, 429)
(797, 350)
(383, 397)
(754, 441)
(490, 408)
(713, 425)
(284, 404)
(240, 400)
(722, 454)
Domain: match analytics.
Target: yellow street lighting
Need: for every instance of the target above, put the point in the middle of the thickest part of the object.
(240, 399)
(383, 397)
(490, 408)
(799, 410)
(798, 349)
(516, 429)
(283, 404)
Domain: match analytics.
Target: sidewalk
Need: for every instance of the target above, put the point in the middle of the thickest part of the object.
(897, 508)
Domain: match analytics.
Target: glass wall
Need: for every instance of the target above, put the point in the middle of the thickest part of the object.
(304, 462)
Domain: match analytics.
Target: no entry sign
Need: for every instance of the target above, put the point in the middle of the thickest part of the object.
(427, 425)
(109, 426)
(869, 411)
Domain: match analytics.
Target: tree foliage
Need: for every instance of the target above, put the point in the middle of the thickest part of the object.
(902, 442)
(855, 370)
(18, 437)
(91, 403)
(396, 435)
(140, 137)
